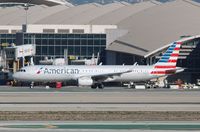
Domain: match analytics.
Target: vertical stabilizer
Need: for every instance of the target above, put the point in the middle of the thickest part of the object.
(170, 57)
(168, 61)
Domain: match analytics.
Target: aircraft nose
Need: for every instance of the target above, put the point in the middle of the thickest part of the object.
(16, 76)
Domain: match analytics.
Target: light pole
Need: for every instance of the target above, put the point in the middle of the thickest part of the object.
(26, 7)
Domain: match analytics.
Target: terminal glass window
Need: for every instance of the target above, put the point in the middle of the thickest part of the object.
(78, 45)
(7, 39)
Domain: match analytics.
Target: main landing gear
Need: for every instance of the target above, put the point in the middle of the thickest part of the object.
(131, 85)
(97, 85)
(32, 85)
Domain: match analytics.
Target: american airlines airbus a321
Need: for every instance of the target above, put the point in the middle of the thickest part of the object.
(94, 75)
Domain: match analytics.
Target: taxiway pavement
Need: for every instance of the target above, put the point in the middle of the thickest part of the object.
(108, 99)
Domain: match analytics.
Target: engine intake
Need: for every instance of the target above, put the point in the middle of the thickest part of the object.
(85, 81)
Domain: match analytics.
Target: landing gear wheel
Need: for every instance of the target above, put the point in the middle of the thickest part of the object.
(100, 86)
(131, 85)
(97, 85)
(94, 86)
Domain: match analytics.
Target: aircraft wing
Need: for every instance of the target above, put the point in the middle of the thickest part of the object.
(102, 77)
(105, 76)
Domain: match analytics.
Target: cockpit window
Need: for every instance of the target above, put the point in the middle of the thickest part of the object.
(22, 70)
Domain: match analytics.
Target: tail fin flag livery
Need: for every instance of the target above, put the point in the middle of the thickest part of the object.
(168, 61)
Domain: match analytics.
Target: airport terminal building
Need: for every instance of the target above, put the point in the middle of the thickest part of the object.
(121, 32)
(78, 43)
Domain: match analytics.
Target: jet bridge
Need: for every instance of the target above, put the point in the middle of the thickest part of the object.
(16, 53)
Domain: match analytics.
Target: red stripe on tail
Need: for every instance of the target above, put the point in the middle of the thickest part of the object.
(176, 48)
(164, 67)
(172, 60)
(174, 55)
(179, 43)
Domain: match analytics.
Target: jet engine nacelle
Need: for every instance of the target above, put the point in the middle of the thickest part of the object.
(85, 81)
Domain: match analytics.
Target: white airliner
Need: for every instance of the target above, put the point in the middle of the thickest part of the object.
(94, 75)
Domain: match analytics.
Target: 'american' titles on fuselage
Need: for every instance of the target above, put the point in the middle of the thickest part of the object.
(61, 71)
